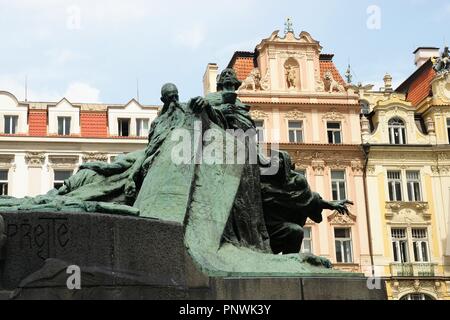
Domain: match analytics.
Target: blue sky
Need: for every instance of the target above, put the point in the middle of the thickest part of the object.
(94, 50)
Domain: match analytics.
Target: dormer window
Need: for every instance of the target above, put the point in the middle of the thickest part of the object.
(397, 131)
(142, 127)
(64, 126)
(124, 127)
(11, 124)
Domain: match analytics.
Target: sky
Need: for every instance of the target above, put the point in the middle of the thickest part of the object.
(102, 50)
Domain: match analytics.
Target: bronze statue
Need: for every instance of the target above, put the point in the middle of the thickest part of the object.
(261, 214)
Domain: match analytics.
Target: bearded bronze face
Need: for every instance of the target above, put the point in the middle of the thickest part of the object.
(228, 79)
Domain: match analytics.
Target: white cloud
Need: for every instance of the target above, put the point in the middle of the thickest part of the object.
(191, 37)
(82, 92)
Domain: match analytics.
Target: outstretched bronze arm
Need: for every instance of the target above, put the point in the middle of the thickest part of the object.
(339, 206)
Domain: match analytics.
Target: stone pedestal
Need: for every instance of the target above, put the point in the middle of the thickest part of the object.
(134, 258)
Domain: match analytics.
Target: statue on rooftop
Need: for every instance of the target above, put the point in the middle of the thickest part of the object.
(442, 64)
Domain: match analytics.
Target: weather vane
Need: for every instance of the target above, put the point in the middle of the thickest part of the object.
(288, 27)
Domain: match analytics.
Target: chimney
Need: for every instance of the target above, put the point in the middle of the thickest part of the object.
(210, 78)
(423, 54)
(387, 82)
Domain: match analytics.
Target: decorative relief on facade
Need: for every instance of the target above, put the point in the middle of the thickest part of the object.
(357, 167)
(440, 170)
(429, 287)
(333, 115)
(371, 170)
(295, 115)
(341, 219)
(35, 159)
(407, 212)
(6, 161)
(318, 166)
(265, 81)
(95, 156)
(63, 161)
(258, 115)
(330, 84)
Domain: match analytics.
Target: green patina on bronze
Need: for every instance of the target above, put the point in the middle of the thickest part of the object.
(235, 217)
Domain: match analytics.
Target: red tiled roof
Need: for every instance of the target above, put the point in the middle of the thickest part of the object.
(418, 86)
(243, 63)
(326, 65)
(93, 124)
(37, 122)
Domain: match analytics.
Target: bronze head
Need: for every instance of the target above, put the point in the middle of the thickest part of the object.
(228, 77)
(169, 93)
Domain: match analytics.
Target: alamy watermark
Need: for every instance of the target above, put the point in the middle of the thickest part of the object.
(214, 147)
(74, 280)
(73, 21)
(374, 19)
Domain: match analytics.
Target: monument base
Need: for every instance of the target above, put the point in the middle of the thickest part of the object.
(121, 257)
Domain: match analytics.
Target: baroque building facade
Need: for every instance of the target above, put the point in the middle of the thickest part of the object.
(43, 143)
(406, 137)
(300, 104)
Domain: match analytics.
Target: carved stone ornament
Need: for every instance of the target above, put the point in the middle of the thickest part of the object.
(95, 156)
(330, 84)
(318, 166)
(407, 212)
(6, 160)
(295, 115)
(341, 219)
(35, 159)
(258, 115)
(441, 87)
(357, 167)
(333, 115)
(252, 82)
(63, 161)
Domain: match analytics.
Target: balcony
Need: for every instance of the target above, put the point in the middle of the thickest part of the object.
(413, 269)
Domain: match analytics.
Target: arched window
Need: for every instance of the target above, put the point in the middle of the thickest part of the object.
(417, 296)
(397, 131)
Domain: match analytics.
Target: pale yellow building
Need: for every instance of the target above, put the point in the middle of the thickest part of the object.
(405, 135)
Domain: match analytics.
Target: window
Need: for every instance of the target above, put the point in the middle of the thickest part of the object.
(400, 245)
(334, 132)
(395, 185)
(420, 245)
(124, 127)
(338, 185)
(295, 131)
(343, 242)
(60, 177)
(417, 296)
(64, 126)
(413, 184)
(142, 127)
(397, 131)
(11, 124)
(307, 240)
(3, 182)
(259, 124)
(448, 130)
